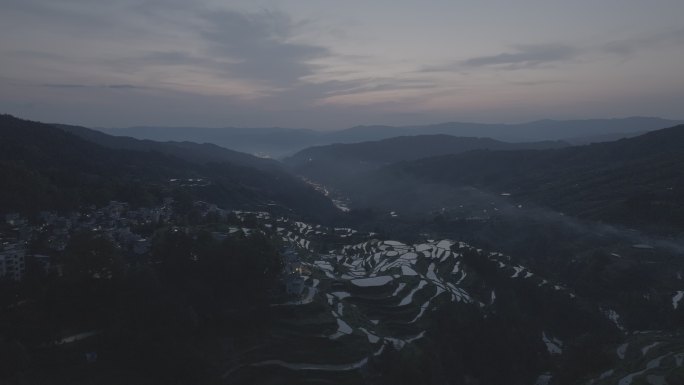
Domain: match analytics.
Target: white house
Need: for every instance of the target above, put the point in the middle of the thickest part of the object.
(12, 262)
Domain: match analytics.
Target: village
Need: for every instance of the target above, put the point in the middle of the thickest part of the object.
(44, 237)
(47, 234)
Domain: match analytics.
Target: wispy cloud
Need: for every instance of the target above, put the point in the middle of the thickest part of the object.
(383, 84)
(521, 57)
(526, 56)
(626, 47)
(110, 86)
(531, 83)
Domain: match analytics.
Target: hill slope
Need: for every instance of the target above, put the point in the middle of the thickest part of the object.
(192, 152)
(43, 167)
(342, 161)
(636, 181)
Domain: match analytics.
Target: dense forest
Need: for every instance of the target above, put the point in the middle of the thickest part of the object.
(164, 318)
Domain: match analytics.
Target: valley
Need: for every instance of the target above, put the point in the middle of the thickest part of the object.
(466, 261)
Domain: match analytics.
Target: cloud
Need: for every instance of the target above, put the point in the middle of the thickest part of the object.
(125, 87)
(379, 84)
(110, 86)
(526, 56)
(264, 58)
(259, 46)
(536, 82)
(523, 57)
(170, 58)
(626, 47)
(257, 50)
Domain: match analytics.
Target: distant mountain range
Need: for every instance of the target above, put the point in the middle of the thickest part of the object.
(46, 166)
(279, 142)
(331, 163)
(265, 142)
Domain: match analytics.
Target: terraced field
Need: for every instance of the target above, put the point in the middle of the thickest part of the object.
(367, 296)
(647, 358)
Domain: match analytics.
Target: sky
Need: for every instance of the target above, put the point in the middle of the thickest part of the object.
(327, 64)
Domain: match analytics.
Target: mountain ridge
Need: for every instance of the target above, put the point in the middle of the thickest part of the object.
(280, 142)
(347, 160)
(45, 167)
(631, 181)
(190, 151)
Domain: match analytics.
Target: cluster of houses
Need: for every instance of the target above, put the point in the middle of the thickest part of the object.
(12, 261)
(46, 235)
(13, 247)
(293, 272)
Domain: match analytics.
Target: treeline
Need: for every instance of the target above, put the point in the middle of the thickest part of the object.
(177, 317)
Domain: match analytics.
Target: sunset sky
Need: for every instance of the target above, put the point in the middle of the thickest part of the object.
(332, 64)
